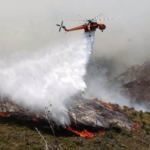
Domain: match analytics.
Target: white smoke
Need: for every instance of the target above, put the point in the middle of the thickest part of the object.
(99, 86)
(55, 74)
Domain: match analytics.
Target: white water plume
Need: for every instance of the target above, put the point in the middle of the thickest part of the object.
(55, 74)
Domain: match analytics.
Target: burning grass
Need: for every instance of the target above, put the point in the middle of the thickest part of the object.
(108, 105)
(85, 133)
(18, 116)
(4, 114)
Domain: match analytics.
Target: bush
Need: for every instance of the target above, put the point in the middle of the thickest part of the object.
(134, 114)
(117, 129)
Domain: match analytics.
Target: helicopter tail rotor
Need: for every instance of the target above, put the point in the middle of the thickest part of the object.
(60, 26)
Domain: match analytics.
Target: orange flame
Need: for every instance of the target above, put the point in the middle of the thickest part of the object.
(34, 119)
(8, 115)
(107, 105)
(135, 126)
(101, 132)
(85, 133)
(4, 115)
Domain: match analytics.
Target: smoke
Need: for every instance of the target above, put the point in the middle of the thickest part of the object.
(101, 86)
(98, 85)
(52, 74)
(31, 24)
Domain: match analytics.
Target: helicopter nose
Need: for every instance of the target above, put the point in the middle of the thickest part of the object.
(104, 26)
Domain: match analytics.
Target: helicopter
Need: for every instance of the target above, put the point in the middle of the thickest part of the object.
(88, 26)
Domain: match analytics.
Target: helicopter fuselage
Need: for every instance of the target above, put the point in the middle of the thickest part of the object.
(87, 27)
(94, 26)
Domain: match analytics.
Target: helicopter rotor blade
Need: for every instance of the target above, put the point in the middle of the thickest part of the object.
(60, 29)
(76, 20)
(96, 17)
(82, 17)
(57, 25)
(104, 19)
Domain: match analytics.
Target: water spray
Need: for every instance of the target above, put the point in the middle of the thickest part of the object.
(54, 73)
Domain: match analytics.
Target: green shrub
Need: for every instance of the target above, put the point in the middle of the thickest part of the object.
(117, 129)
(134, 114)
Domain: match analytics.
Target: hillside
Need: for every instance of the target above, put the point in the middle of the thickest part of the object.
(137, 72)
(136, 82)
(18, 131)
(18, 134)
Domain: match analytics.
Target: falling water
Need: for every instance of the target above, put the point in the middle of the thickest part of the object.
(55, 74)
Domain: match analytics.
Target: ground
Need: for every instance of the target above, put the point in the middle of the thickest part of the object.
(18, 134)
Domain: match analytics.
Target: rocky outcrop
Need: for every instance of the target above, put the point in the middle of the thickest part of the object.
(98, 114)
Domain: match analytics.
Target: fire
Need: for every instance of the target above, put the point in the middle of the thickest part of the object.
(101, 132)
(9, 115)
(34, 119)
(107, 105)
(135, 126)
(85, 133)
(4, 115)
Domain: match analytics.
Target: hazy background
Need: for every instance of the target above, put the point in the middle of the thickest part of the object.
(30, 25)
(41, 68)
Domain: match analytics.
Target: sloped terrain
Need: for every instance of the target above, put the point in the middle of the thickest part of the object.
(125, 128)
(138, 72)
(92, 114)
(18, 134)
(136, 83)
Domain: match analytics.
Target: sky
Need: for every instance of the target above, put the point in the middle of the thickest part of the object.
(29, 25)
